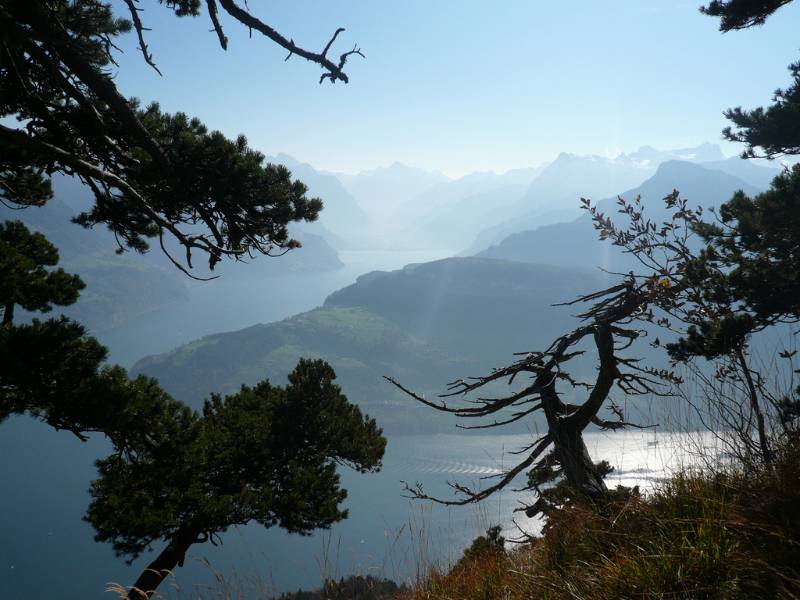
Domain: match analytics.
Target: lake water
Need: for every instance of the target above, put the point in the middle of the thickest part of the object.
(233, 303)
(46, 547)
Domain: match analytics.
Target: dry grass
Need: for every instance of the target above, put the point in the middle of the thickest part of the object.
(700, 535)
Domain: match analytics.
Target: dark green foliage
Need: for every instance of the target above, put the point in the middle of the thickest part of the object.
(788, 408)
(52, 371)
(746, 277)
(24, 280)
(44, 368)
(713, 337)
(331, 426)
(267, 454)
(223, 183)
(183, 8)
(741, 14)
(758, 240)
(22, 183)
(151, 174)
(749, 270)
(118, 287)
(776, 129)
(355, 587)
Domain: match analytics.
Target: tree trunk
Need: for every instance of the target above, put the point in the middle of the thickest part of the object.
(162, 566)
(567, 431)
(8, 314)
(763, 440)
(575, 461)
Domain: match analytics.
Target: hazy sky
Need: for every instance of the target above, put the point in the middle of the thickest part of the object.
(466, 85)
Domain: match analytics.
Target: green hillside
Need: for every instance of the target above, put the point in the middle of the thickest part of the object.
(486, 308)
(361, 346)
(425, 325)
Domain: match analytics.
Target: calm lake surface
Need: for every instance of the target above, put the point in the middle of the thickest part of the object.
(47, 547)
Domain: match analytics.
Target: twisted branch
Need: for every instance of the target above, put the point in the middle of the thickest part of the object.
(334, 72)
(137, 23)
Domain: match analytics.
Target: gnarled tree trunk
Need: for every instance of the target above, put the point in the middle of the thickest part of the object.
(576, 464)
(566, 428)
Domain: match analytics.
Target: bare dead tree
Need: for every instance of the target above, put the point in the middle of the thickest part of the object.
(334, 71)
(608, 325)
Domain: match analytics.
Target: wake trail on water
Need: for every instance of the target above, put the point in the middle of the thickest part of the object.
(421, 464)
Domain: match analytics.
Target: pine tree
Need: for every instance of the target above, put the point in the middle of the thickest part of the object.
(749, 267)
(741, 14)
(53, 370)
(751, 260)
(153, 175)
(267, 454)
(24, 279)
(767, 132)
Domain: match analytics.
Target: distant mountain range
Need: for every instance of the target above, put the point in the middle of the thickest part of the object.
(758, 174)
(425, 323)
(448, 214)
(342, 222)
(448, 195)
(555, 194)
(384, 191)
(452, 224)
(417, 208)
(575, 243)
(649, 156)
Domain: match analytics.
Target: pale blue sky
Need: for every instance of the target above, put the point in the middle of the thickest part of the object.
(466, 85)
